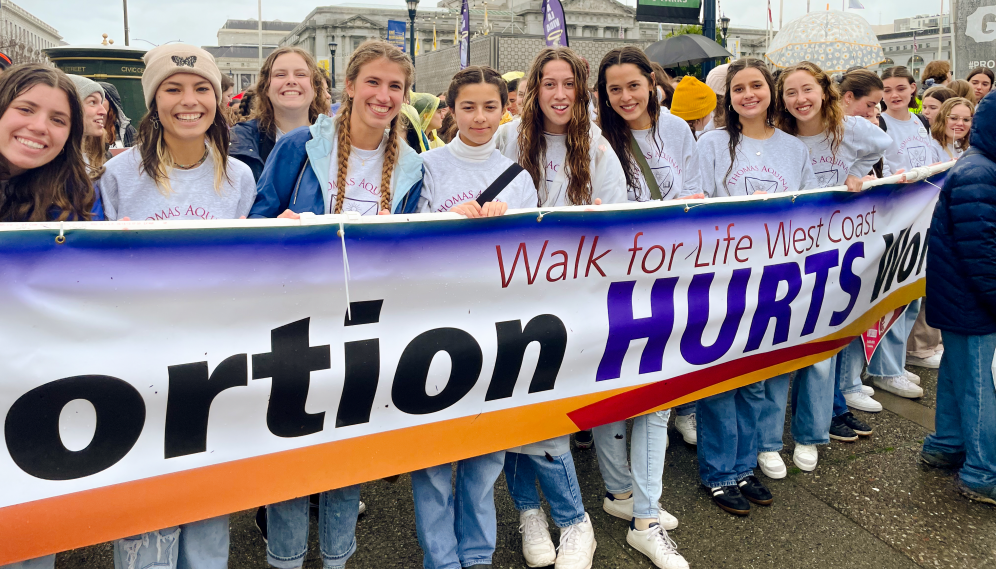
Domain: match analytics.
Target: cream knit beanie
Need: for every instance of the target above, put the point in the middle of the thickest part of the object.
(172, 58)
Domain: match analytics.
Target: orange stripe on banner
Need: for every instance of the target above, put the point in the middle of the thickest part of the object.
(94, 516)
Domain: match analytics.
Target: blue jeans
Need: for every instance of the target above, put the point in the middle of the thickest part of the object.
(839, 403)
(727, 435)
(558, 480)
(890, 357)
(287, 529)
(965, 421)
(685, 410)
(850, 362)
(457, 528)
(197, 545)
(648, 447)
(812, 407)
(47, 562)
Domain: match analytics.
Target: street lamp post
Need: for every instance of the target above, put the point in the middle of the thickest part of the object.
(332, 46)
(412, 9)
(724, 24)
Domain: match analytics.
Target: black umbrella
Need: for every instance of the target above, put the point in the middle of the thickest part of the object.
(685, 49)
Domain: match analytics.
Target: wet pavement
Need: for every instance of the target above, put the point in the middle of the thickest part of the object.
(868, 504)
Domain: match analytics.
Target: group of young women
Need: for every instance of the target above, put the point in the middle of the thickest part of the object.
(562, 149)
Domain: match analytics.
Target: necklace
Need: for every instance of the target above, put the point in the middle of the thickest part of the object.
(195, 164)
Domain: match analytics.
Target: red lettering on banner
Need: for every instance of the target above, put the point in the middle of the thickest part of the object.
(530, 277)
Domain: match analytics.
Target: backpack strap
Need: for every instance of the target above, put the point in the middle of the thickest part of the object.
(648, 175)
(506, 177)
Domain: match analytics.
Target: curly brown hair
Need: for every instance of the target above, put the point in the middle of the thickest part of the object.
(532, 143)
(62, 184)
(262, 106)
(831, 110)
(370, 50)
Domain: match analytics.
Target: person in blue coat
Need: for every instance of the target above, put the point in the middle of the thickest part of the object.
(961, 288)
(290, 95)
(359, 162)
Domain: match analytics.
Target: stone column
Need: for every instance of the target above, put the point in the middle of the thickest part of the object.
(601, 31)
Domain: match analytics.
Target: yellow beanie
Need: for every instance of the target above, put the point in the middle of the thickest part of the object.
(692, 99)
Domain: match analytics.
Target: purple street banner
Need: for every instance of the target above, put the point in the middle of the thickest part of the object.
(554, 24)
(464, 35)
(396, 33)
(154, 373)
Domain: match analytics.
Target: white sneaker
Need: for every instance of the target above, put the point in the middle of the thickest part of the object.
(805, 457)
(363, 507)
(686, 426)
(900, 386)
(932, 362)
(623, 509)
(577, 546)
(867, 390)
(655, 544)
(537, 546)
(771, 464)
(914, 378)
(862, 402)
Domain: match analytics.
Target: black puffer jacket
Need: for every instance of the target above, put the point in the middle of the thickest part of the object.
(961, 262)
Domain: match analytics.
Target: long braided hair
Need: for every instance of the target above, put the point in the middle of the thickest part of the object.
(532, 143)
(370, 50)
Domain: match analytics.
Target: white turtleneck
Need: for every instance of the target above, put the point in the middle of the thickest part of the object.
(464, 151)
(458, 173)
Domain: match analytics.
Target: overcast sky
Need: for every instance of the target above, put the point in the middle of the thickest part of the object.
(197, 21)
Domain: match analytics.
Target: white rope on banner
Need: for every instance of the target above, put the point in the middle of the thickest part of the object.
(62, 233)
(345, 268)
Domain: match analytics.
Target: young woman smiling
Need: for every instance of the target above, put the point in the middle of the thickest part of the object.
(290, 96)
(728, 427)
(456, 520)
(359, 162)
(658, 152)
(949, 133)
(570, 163)
(912, 141)
(91, 96)
(42, 173)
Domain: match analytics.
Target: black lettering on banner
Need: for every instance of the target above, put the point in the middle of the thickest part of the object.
(191, 393)
(362, 367)
(31, 429)
(408, 391)
(290, 363)
(545, 329)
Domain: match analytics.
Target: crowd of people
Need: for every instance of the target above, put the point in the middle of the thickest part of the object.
(541, 138)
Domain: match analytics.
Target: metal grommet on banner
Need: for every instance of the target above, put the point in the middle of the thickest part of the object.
(541, 214)
(61, 237)
(793, 197)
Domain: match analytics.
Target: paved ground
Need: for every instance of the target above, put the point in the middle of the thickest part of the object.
(868, 504)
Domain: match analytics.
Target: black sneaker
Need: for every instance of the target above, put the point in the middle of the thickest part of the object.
(730, 499)
(839, 431)
(942, 459)
(261, 522)
(753, 490)
(584, 439)
(859, 427)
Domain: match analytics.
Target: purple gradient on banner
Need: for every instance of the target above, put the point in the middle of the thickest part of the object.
(554, 24)
(464, 35)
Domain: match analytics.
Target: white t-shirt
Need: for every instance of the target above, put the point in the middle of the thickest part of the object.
(780, 163)
(940, 153)
(363, 176)
(863, 145)
(672, 159)
(126, 191)
(911, 144)
(555, 192)
(450, 181)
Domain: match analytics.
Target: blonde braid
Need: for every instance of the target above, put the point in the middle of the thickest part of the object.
(390, 158)
(342, 155)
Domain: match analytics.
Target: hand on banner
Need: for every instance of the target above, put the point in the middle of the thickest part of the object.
(472, 209)
(854, 183)
(692, 197)
(598, 201)
(288, 214)
(902, 179)
(383, 212)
